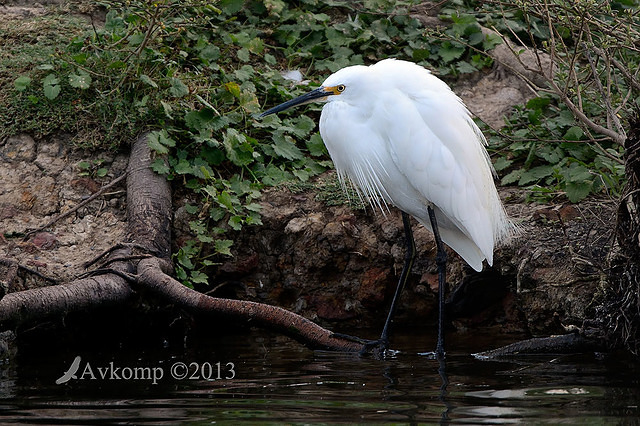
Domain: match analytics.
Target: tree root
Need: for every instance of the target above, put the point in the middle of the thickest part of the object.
(11, 273)
(150, 277)
(149, 228)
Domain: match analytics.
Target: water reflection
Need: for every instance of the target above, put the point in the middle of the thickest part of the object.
(277, 380)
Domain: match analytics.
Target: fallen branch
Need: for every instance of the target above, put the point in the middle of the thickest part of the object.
(561, 344)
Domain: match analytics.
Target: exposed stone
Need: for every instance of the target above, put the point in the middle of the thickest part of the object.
(19, 148)
(44, 240)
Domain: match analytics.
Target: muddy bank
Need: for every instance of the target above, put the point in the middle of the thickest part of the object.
(40, 180)
(340, 266)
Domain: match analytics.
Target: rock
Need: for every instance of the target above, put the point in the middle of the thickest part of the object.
(19, 148)
(51, 157)
(44, 240)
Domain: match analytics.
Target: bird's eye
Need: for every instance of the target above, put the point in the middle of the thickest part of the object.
(340, 88)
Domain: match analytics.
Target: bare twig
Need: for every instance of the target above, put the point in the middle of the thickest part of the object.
(606, 94)
(79, 206)
(113, 248)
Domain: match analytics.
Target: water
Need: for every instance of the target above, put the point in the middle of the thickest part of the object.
(270, 379)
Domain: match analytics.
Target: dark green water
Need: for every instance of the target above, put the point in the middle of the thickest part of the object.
(271, 379)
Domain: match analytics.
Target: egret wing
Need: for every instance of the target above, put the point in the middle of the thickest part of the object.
(443, 160)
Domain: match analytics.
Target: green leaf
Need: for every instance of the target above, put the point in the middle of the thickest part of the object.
(80, 81)
(285, 147)
(160, 166)
(270, 59)
(198, 120)
(136, 39)
(183, 167)
(21, 83)
(117, 65)
(577, 191)
(315, 145)
(243, 55)
(224, 199)
(535, 174)
(235, 222)
(184, 259)
(577, 173)
(198, 227)
(538, 103)
(224, 247)
(205, 238)
(574, 133)
(191, 209)
(275, 175)
(465, 67)
(212, 156)
(253, 218)
(230, 7)
(449, 51)
(303, 175)
(254, 207)
(160, 142)
(199, 277)
(490, 41)
(216, 213)
(178, 89)
(80, 58)
(502, 163)
(303, 125)
(148, 81)
(512, 177)
(239, 150)
(51, 86)
(210, 53)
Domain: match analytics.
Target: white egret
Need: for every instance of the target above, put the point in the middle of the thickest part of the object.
(402, 137)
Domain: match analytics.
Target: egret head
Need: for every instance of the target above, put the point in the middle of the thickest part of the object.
(338, 85)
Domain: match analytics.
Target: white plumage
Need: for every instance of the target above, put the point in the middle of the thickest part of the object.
(401, 136)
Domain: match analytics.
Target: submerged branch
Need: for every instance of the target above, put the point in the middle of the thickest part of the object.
(561, 344)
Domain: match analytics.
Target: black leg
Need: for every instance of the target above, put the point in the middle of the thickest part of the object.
(409, 256)
(378, 347)
(441, 261)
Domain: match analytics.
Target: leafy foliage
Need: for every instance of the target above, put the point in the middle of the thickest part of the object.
(547, 152)
(568, 140)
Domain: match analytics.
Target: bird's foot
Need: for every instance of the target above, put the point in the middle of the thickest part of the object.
(377, 348)
(435, 355)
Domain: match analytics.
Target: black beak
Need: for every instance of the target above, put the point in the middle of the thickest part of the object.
(316, 94)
